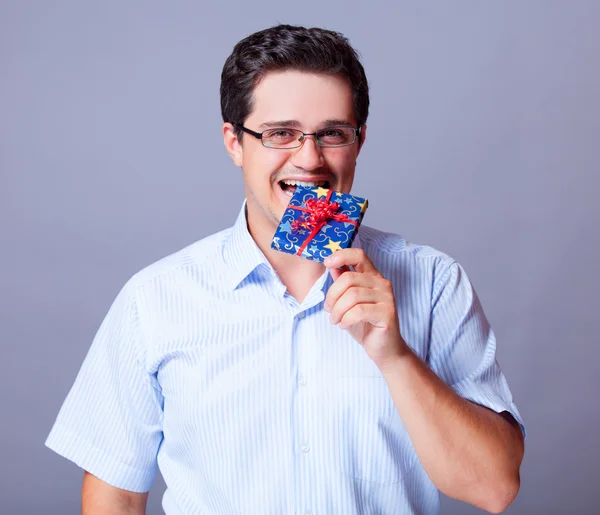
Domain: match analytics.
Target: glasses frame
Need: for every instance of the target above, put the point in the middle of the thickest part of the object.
(259, 135)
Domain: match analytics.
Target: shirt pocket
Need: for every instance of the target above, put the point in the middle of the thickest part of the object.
(368, 439)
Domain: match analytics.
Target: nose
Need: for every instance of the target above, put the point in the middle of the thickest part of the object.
(308, 156)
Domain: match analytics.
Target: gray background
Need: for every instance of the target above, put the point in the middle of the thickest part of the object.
(483, 141)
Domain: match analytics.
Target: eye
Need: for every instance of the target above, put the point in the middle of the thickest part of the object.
(336, 135)
(279, 134)
(332, 133)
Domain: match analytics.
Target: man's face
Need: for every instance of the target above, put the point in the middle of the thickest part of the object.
(304, 101)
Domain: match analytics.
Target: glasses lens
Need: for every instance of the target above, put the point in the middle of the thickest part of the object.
(336, 136)
(282, 138)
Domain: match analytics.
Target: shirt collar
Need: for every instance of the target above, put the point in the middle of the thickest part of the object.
(241, 253)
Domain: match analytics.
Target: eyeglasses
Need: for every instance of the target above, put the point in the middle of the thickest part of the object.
(283, 138)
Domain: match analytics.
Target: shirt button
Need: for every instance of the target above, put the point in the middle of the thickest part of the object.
(301, 315)
(305, 447)
(302, 381)
(308, 512)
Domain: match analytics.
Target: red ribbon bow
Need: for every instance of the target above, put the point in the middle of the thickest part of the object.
(318, 213)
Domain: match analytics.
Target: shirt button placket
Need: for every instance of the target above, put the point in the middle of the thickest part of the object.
(301, 378)
(301, 381)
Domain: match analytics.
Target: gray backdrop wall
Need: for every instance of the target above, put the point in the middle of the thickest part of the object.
(483, 135)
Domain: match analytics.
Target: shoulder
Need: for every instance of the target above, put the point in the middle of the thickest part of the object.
(394, 252)
(197, 259)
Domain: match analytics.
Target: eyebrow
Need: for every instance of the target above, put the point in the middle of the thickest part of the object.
(295, 124)
(292, 124)
(331, 123)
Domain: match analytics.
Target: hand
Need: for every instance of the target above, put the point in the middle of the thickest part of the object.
(363, 303)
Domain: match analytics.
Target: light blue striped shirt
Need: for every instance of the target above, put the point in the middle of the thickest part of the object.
(251, 403)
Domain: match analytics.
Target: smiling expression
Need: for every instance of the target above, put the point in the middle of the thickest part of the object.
(297, 100)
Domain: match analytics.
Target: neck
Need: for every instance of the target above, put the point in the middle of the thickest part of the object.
(291, 269)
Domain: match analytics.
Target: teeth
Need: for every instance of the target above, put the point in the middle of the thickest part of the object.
(303, 183)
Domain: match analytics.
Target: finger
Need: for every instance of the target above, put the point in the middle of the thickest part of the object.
(374, 314)
(345, 281)
(337, 272)
(351, 257)
(351, 297)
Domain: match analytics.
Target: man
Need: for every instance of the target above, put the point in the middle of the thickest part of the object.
(260, 382)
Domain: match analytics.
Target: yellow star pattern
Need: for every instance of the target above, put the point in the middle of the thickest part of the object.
(333, 245)
(321, 192)
(363, 206)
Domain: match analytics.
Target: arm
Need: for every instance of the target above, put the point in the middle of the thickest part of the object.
(471, 453)
(110, 424)
(100, 498)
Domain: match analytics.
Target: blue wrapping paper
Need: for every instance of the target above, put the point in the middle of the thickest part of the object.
(333, 235)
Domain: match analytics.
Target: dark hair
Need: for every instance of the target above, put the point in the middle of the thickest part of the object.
(285, 47)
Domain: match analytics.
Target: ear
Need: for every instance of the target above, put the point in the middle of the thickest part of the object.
(232, 144)
(363, 137)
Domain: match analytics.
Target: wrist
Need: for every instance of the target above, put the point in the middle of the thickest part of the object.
(399, 360)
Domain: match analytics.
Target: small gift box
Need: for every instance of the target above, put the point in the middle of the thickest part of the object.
(319, 221)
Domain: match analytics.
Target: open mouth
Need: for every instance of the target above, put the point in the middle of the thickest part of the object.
(289, 187)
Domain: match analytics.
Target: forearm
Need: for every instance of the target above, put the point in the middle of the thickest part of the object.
(100, 498)
(469, 452)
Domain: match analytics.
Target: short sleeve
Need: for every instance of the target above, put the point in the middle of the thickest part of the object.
(110, 423)
(463, 345)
